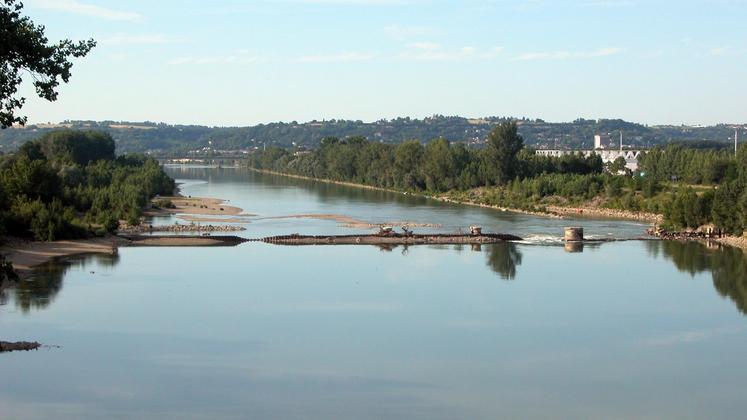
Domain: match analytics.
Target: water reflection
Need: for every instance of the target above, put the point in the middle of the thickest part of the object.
(4, 294)
(40, 290)
(727, 265)
(503, 259)
(574, 247)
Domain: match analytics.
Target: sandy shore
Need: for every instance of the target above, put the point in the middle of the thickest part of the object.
(500, 208)
(199, 219)
(735, 241)
(586, 211)
(26, 254)
(198, 206)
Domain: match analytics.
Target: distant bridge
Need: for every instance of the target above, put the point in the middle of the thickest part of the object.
(234, 159)
(608, 155)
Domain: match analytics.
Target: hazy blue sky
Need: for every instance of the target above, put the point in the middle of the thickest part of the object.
(230, 62)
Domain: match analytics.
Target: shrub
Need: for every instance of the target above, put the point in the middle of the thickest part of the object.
(164, 203)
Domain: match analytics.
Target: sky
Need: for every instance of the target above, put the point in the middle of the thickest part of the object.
(238, 63)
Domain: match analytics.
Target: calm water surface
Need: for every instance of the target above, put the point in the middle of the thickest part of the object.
(632, 329)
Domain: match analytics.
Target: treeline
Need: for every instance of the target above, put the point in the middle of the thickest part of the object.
(707, 186)
(517, 177)
(692, 166)
(437, 166)
(70, 184)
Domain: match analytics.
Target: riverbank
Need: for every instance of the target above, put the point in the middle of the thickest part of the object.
(705, 236)
(25, 254)
(735, 241)
(601, 212)
(196, 210)
(550, 211)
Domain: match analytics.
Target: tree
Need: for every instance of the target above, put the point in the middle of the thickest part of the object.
(617, 166)
(723, 212)
(439, 166)
(408, 158)
(499, 157)
(81, 147)
(25, 48)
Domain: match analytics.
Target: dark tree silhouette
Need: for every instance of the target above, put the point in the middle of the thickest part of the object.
(24, 49)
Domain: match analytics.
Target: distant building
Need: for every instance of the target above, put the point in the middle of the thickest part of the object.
(603, 141)
(610, 155)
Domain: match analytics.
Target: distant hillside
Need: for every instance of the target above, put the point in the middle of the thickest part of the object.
(176, 139)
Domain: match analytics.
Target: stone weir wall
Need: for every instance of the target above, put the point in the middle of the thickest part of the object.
(485, 238)
(183, 240)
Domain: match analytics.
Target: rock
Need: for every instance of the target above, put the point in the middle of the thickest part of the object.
(6, 346)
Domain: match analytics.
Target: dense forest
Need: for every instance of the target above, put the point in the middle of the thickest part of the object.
(690, 187)
(165, 139)
(70, 184)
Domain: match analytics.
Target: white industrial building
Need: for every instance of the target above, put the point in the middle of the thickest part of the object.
(604, 147)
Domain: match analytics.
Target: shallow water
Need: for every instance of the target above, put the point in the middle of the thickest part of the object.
(628, 329)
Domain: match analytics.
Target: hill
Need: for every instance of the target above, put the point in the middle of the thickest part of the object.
(166, 139)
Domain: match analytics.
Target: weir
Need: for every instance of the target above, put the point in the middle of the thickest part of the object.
(183, 240)
(391, 238)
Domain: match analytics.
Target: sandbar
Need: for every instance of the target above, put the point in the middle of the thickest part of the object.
(197, 205)
(349, 222)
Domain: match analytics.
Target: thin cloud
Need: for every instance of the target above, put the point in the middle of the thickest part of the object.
(337, 58)
(76, 7)
(564, 55)
(427, 46)
(429, 51)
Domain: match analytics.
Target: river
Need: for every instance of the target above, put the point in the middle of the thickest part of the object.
(632, 329)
